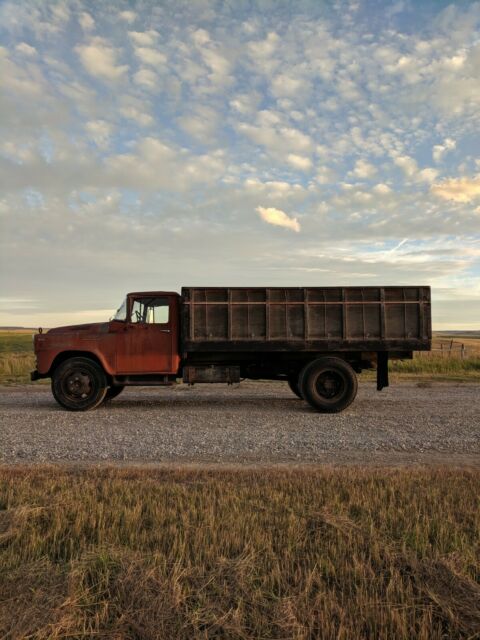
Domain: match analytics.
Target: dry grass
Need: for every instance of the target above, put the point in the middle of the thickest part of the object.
(185, 554)
(15, 367)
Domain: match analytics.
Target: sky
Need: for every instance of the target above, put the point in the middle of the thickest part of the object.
(154, 145)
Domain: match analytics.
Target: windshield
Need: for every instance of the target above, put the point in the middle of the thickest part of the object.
(121, 311)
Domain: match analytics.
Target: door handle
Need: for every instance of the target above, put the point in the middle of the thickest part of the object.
(165, 330)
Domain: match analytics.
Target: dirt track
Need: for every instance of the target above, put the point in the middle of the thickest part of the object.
(250, 423)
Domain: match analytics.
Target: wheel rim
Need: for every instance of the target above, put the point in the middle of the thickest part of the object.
(78, 384)
(330, 385)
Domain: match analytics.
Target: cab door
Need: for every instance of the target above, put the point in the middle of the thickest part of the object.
(147, 343)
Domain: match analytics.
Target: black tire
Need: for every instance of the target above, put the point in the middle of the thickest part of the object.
(293, 384)
(329, 385)
(79, 384)
(113, 392)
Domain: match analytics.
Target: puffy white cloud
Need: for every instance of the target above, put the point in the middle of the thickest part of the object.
(299, 162)
(439, 150)
(150, 56)
(274, 189)
(146, 78)
(271, 134)
(427, 175)
(144, 38)
(382, 189)
(99, 131)
(127, 16)
(201, 124)
(264, 48)
(407, 164)
(289, 85)
(278, 218)
(100, 59)
(463, 190)
(86, 21)
(26, 49)
(364, 169)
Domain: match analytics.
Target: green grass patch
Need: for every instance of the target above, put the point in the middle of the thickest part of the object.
(15, 342)
(17, 359)
(189, 554)
(437, 366)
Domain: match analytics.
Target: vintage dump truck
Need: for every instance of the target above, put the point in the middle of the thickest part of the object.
(315, 338)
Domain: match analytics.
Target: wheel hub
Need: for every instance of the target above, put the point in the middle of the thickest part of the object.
(329, 384)
(79, 384)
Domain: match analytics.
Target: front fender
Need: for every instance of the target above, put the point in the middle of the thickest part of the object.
(49, 359)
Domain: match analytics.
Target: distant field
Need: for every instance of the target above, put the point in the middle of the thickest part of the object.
(17, 360)
(196, 554)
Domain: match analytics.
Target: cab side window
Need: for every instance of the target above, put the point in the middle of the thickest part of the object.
(150, 310)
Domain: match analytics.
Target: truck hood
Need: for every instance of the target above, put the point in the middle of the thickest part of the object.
(92, 327)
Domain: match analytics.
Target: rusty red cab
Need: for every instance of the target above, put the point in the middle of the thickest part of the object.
(314, 338)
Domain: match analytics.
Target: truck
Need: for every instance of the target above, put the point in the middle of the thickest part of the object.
(316, 339)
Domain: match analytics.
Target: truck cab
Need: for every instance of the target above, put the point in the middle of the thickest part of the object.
(139, 345)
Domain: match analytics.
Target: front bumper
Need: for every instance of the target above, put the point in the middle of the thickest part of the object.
(34, 375)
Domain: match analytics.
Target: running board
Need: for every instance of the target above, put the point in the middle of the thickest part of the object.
(145, 381)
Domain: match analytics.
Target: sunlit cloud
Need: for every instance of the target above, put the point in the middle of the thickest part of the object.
(462, 190)
(278, 218)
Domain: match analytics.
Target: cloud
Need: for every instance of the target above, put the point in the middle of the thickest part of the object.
(127, 16)
(407, 164)
(299, 162)
(274, 136)
(99, 59)
(144, 38)
(439, 150)
(427, 175)
(464, 190)
(274, 189)
(278, 218)
(26, 49)
(86, 21)
(99, 131)
(201, 124)
(410, 168)
(364, 169)
(146, 78)
(138, 114)
(382, 189)
(289, 85)
(150, 56)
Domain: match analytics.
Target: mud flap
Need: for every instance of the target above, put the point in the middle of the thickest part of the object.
(382, 370)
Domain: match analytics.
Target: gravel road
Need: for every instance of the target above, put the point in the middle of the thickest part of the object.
(249, 423)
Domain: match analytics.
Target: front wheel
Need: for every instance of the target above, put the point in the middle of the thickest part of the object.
(328, 384)
(79, 384)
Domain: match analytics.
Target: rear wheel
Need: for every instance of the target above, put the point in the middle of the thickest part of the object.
(328, 384)
(113, 392)
(79, 384)
(293, 384)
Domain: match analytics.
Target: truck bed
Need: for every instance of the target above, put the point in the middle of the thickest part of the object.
(322, 319)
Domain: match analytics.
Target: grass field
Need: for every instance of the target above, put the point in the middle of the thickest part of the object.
(17, 360)
(293, 554)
